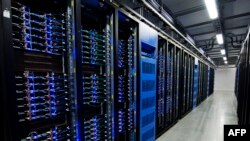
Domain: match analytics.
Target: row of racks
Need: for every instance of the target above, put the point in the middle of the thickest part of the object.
(37, 31)
(174, 77)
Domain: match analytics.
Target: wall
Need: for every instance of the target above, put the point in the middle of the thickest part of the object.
(224, 79)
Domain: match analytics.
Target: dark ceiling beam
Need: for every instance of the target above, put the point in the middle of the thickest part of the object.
(199, 24)
(210, 32)
(223, 19)
(197, 41)
(190, 10)
(236, 16)
(230, 58)
(236, 27)
(218, 51)
(203, 33)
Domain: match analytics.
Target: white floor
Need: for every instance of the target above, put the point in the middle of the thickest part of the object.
(206, 122)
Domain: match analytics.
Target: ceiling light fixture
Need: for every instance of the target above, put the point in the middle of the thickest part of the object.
(225, 58)
(223, 52)
(212, 8)
(219, 38)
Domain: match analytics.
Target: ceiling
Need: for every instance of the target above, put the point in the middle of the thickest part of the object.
(193, 18)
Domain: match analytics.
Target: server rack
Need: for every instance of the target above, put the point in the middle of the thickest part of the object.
(242, 83)
(211, 81)
(125, 64)
(36, 82)
(191, 83)
(170, 84)
(196, 84)
(184, 74)
(161, 85)
(95, 65)
(188, 80)
(177, 83)
(208, 80)
(147, 97)
(187, 83)
(200, 94)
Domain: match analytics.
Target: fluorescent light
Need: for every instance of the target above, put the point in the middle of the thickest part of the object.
(223, 52)
(219, 39)
(225, 62)
(224, 58)
(212, 8)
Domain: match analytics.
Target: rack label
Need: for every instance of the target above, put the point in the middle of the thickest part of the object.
(6, 14)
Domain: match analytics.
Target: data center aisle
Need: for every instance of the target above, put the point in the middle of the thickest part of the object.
(205, 123)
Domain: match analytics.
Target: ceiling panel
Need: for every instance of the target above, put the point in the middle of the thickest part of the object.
(194, 18)
(237, 21)
(201, 29)
(236, 7)
(180, 5)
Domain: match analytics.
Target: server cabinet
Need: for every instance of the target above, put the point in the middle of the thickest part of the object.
(199, 97)
(185, 82)
(196, 83)
(211, 91)
(161, 85)
(125, 78)
(147, 97)
(242, 91)
(170, 84)
(36, 81)
(95, 56)
(191, 83)
(177, 87)
(208, 80)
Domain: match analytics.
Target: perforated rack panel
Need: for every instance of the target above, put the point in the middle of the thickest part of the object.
(148, 44)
